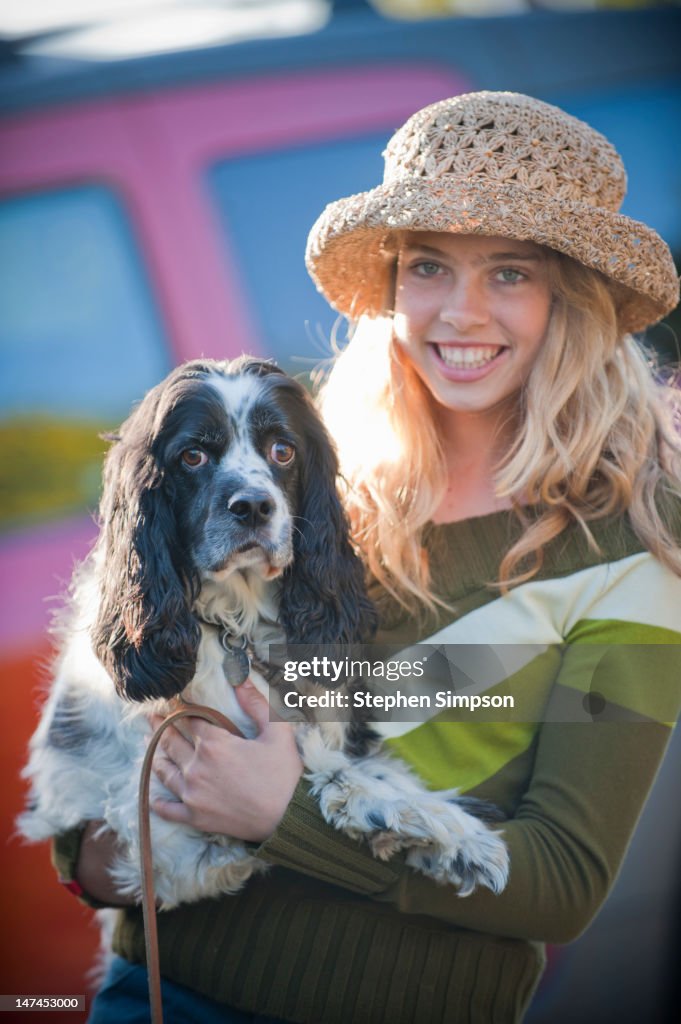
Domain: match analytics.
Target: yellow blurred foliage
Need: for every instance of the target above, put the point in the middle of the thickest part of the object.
(49, 468)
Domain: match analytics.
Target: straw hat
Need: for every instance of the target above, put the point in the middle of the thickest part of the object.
(495, 163)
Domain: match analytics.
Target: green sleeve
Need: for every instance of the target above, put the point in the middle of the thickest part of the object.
(568, 835)
(64, 852)
(566, 840)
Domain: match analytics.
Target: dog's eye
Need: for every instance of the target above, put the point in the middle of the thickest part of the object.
(194, 457)
(282, 453)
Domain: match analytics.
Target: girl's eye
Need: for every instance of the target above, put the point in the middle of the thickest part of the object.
(282, 453)
(426, 268)
(510, 276)
(194, 457)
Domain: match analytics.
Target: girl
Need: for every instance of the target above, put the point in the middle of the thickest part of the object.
(513, 478)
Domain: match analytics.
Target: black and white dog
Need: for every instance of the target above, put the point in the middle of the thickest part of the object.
(221, 526)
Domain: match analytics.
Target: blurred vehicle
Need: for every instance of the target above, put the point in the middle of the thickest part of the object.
(153, 208)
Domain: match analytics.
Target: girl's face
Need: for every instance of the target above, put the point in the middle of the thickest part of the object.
(471, 313)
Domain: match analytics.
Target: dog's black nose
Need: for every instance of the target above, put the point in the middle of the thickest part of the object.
(252, 508)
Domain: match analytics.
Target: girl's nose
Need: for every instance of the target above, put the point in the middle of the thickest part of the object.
(465, 306)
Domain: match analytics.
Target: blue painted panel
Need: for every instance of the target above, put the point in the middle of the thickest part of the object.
(266, 205)
(79, 333)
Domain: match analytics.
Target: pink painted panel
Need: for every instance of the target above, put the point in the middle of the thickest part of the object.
(272, 113)
(35, 568)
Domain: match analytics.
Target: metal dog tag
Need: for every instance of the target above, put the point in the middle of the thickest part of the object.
(237, 664)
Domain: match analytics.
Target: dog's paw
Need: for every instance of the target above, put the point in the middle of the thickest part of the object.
(478, 859)
(379, 800)
(384, 845)
(443, 840)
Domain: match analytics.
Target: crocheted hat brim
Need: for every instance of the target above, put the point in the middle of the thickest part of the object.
(346, 259)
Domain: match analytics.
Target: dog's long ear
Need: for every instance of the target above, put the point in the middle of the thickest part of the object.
(145, 633)
(323, 597)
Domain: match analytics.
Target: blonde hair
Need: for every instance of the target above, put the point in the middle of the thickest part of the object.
(596, 438)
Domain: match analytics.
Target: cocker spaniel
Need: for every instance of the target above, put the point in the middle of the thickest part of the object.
(221, 528)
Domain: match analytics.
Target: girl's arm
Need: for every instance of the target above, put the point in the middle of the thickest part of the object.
(571, 828)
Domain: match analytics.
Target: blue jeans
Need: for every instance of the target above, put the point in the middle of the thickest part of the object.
(124, 996)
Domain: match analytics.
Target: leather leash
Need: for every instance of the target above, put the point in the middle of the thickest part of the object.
(148, 897)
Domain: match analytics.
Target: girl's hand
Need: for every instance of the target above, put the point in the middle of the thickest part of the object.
(223, 783)
(98, 850)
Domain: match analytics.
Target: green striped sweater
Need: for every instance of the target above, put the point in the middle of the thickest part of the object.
(331, 935)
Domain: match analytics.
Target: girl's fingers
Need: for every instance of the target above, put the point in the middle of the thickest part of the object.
(176, 746)
(169, 774)
(255, 705)
(172, 810)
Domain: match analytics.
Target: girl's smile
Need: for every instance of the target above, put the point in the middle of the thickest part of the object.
(471, 310)
(468, 362)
